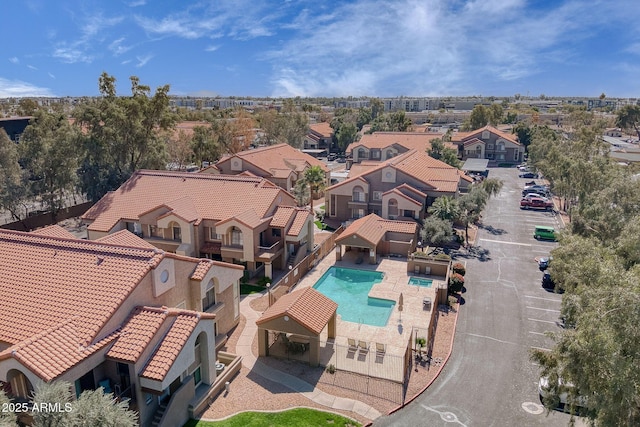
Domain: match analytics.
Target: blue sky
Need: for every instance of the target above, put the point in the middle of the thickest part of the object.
(287, 48)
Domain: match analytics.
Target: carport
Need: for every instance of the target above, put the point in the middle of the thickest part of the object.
(297, 320)
(476, 166)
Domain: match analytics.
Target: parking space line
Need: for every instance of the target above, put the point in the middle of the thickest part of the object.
(506, 242)
(543, 309)
(541, 348)
(537, 333)
(543, 321)
(491, 338)
(543, 298)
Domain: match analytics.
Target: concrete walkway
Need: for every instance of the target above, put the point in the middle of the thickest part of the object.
(243, 348)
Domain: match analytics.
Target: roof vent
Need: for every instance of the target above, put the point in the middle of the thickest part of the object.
(99, 260)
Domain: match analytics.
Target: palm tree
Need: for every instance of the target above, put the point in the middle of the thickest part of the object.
(444, 207)
(316, 180)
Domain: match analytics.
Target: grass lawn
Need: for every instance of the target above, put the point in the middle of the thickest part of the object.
(299, 417)
(246, 288)
(322, 226)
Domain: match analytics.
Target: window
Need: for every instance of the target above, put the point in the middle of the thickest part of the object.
(393, 207)
(197, 376)
(358, 194)
(501, 146)
(358, 213)
(375, 154)
(362, 153)
(489, 146)
(153, 231)
(177, 233)
(515, 155)
(489, 155)
(407, 213)
(276, 232)
(377, 195)
(209, 299)
(148, 398)
(389, 154)
(213, 235)
(236, 237)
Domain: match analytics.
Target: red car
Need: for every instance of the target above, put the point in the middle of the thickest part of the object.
(536, 203)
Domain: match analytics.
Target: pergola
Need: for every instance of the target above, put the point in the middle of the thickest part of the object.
(301, 316)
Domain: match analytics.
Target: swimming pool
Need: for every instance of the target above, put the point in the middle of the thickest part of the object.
(420, 282)
(349, 288)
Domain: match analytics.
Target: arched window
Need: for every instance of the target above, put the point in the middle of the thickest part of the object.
(362, 153)
(236, 236)
(176, 232)
(393, 207)
(20, 384)
(358, 194)
(389, 154)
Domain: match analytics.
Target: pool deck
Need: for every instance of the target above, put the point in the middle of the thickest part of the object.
(399, 331)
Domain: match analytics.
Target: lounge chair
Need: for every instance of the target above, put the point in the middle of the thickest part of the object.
(381, 349)
(363, 347)
(352, 345)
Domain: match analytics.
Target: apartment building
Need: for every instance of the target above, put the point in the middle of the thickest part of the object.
(239, 219)
(116, 313)
(399, 188)
(281, 164)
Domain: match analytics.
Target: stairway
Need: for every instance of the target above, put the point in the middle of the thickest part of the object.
(157, 417)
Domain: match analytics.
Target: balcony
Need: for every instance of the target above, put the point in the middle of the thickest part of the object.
(269, 253)
(232, 251)
(357, 203)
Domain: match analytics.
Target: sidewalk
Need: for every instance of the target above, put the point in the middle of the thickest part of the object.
(243, 348)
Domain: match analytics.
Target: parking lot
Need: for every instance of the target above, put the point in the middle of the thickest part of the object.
(490, 378)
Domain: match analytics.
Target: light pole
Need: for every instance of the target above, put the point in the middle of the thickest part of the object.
(269, 293)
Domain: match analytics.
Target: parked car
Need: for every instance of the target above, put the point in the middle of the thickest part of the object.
(549, 284)
(543, 262)
(523, 168)
(544, 390)
(534, 195)
(342, 160)
(544, 232)
(536, 190)
(536, 203)
(528, 175)
(331, 157)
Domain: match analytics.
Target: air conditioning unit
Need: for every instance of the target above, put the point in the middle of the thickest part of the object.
(393, 216)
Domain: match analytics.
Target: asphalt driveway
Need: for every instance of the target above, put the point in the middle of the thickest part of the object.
(489, 379)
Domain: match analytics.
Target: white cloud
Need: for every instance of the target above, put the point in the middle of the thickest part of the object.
(51, 75)
(31, 67)
(212, 48)
(427, 47)
(14, 60)
(125, 62)
(142, 60)
(137, 3)
(17, 89)
(118, 48)
(91, 31)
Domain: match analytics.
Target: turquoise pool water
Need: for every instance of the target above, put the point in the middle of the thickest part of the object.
(420, 282)
(349, 289)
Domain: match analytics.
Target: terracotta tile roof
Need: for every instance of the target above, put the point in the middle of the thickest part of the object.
(322, 128)
(399, 193)
(281, 173)
(248, 218)
(277, 157)
(44, 281)
(52, 352)
(419, 165)
(204, 265)
(407, 188)
(302, 215)
(136, 333)
(307, 307)
(464, 136)
(54, 231)
(214, 197)
(125, 238)
(173, 342)
(472, 141)
(408, 140)
(282, 216)
(372, 229)
(183, 208)
(361, 168)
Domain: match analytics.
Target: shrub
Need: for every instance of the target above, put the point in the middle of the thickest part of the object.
(421, 341)
(443, 257)
(456, 282)
(331, 368)
(459, 268)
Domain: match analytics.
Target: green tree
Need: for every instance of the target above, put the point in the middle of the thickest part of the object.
(492, 186)
(301, 192)
(629, 118)
(12, 178)
(288, 126)
(496, 114)
(443, 153)
(92, 408)
(27, 107)
(445, 208)
(205, 146)
(315, 178)
(345, 135)
(7, 418)
(392, 122)
(377, 107)
(471, 205)
(479, 117)
(524, 133)
(436, 231)
(122, 134)
(48, 151)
